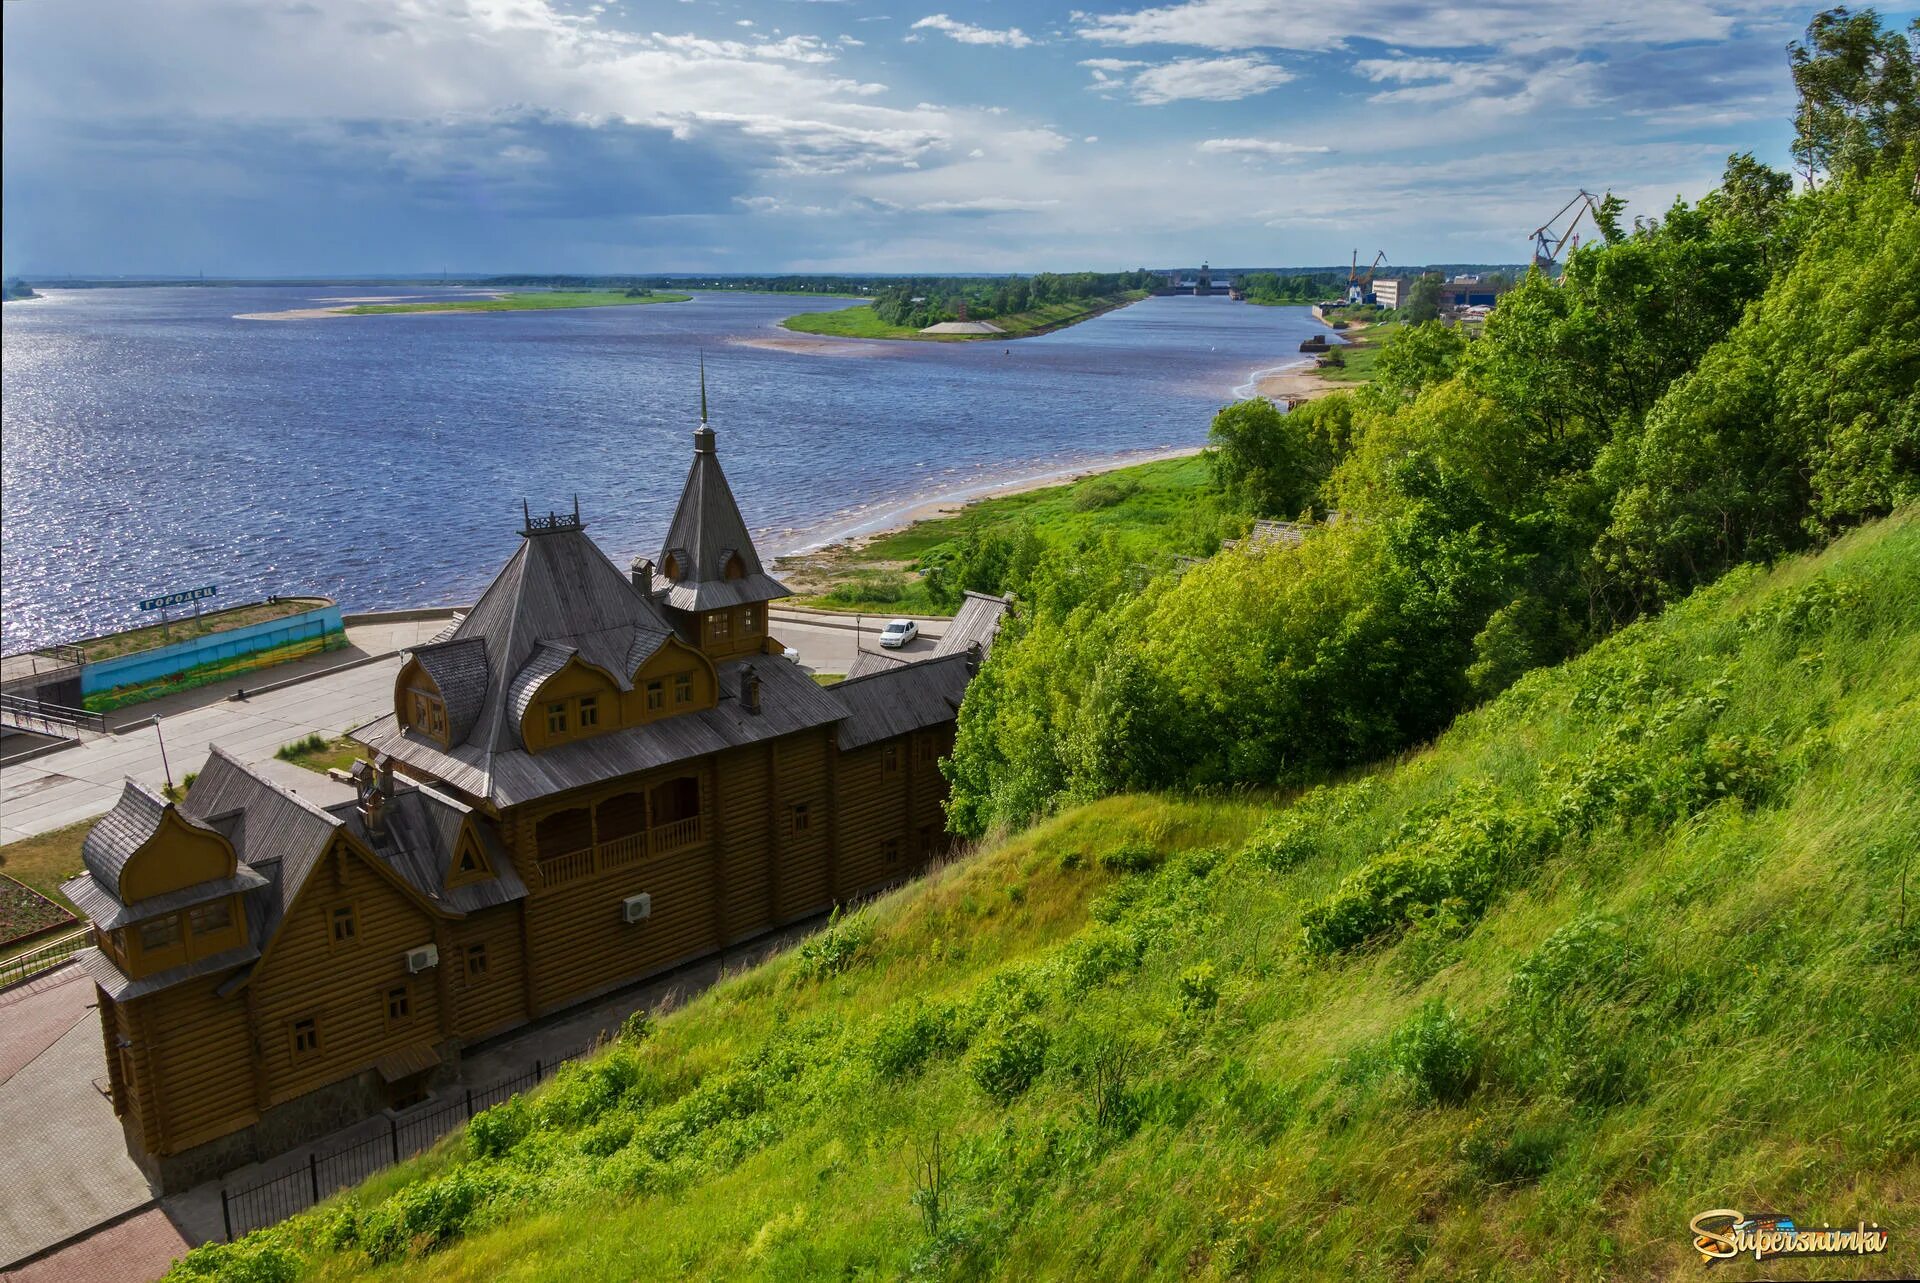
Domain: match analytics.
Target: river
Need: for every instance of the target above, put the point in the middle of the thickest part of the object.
(155, 442)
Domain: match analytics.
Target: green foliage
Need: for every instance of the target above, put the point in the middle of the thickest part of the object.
(837, 949)
(492, 1132)
(1859, 91)
(1265, 460)
(249, 1261)
(1008, 1057)
(1434, 1053)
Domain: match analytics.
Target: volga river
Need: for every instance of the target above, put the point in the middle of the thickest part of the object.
(154, 442)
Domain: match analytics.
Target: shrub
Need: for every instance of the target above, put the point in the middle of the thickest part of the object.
(1199, 987)
(314, 743)
(1009, 1057)
(252, 1260)
(637, 1028)
(1135, 856)
(910, 1035)
(835, 950)
(1283, 843)
(492, 1132)
(1104, 493)
(1434, 1053)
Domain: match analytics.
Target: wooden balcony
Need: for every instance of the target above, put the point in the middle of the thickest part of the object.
(556, 870)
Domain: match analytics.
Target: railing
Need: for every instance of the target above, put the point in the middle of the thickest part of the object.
(658, 840)
(25, 714)
(622, 851)
(41, 957)
(671, 837)
(565, 868)
(270, 1201)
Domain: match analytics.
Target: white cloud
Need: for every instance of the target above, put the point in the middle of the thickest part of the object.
(1207, 79)
(1520, 25)
(1268, 148)
(968, 34)
(1111, 64)
(983, 205)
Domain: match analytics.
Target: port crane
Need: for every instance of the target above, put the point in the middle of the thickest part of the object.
(1358, 286)
(1547, 244)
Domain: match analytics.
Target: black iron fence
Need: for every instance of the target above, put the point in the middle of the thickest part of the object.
(274, 1199)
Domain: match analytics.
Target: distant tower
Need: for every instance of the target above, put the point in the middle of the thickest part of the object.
(1205, 284)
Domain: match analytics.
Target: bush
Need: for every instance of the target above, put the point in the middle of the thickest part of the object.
(1136, 856)
(835, 950)
(1199, 987)
(1434, 1053)
(1008, 1059)
(637, 1028)
(910, 1035)
(1104, 493)
(252, 1260)
(492, 1132)
(314, 743)
(1282, 844)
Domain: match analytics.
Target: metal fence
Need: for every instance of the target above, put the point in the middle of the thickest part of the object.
(270, 1201)
(57, 720)
(43, 956)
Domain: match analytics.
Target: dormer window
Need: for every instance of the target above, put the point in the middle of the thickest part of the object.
(589, 712)
(160, 934)
(656, 696)
(426, 714)
(211, 919)
(670, 566)
(736, 568)
(557, 719)
(683, 688)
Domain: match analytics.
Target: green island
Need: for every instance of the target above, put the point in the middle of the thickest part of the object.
(862, 321)
(534, 301)
(1495, 858)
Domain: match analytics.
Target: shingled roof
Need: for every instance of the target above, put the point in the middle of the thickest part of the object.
(789, 701)
(707, 532)
(557, 596)
(978, 620)
(134, 819)
(895, 701)
(422, 835)
(278, 833)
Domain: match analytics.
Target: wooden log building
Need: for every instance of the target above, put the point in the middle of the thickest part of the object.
(589, 778)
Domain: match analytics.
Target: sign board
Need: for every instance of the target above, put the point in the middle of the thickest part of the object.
(179, 598)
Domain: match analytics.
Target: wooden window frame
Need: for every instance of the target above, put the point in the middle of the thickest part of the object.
(720, 626)
(311, 1033)
(799, 817)
(682, 688)
(198, 912)
(890, 851)
(586, 712)
(557, 717)
(890, 760)
(399, 996)
(343, 913)
(172, 920)
(749, 620)
(474, 962)
(656, 695)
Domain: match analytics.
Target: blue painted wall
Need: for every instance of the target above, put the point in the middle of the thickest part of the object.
(164, 661)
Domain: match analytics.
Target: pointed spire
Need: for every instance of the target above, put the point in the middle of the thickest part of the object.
(703, 389)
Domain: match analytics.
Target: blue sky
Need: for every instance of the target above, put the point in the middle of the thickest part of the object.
(251, 137)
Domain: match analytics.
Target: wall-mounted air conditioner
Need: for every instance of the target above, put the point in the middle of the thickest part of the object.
(637, 908)
(424, 958)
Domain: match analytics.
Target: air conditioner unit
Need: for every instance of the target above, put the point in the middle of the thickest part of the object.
(637, 908)
(423, 958)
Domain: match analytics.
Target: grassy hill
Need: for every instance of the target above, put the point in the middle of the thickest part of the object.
(1630, 942)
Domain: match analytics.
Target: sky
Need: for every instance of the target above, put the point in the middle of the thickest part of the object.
(313, 137)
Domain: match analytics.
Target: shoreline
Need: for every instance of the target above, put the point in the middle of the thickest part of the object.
(973, 336)
(853, 534)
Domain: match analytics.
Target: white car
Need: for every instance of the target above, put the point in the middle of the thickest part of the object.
(899, 633)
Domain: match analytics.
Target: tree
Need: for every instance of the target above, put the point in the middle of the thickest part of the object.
(1859, 92)
(1423, 300)
(1265, 459)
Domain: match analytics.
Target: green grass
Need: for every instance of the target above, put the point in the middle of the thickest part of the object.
(859, 322)
(45, 860)
(1361, 354)
(1623, 945)
(1144, 505)
(318, 753)
(533, 302)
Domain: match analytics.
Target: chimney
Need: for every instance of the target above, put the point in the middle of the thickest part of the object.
(642, 571)
(749, 689)
(974, 653)
(376, 789)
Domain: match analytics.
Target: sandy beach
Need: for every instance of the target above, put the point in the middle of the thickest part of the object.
(341, 306)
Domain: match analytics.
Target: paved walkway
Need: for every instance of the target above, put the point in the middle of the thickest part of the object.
(59, 1125)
